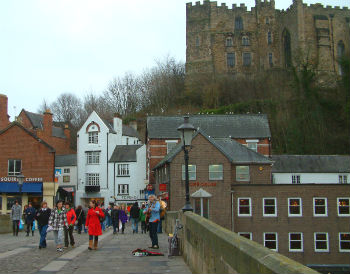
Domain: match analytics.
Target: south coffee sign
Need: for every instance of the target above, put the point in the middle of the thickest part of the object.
(14, 179)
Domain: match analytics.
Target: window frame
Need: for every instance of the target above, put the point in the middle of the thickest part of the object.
(343, 215)
(66, 171)
(170, 142)
(269, 37)
(296, 179)
(270, 56)
(244, 58)
(339, 242)
(301, 241)
(327, 241)
(14, 172)
(300, 205)
(93, 155)
(94, 177)
(189, 173)
(314, 207)
(228, 42)
(121, 186)
(250, 207)
(93, 137)
(242, 180)
(276, 233)
(249, 233)
(64, 179)
(245, 41)
(233, 59)
(222, 173)
(275, 206)
(343, 179)
(121, 167)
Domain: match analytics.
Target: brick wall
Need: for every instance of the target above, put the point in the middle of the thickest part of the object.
(307, 224)
(4, 118)
(263, 145)
(37, 161)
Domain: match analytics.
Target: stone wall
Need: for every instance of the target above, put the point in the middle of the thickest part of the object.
(210, 248)
(5, 224)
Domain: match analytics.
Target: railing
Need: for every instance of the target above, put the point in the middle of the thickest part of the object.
(210, 248)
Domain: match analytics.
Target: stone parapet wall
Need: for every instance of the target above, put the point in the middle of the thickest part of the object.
(5, 224)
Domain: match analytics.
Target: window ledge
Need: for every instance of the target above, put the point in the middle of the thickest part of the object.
(123, 175)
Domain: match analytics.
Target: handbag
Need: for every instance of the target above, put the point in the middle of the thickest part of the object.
(20, 225)
(33, 227)
(49, 228)
(76, 222)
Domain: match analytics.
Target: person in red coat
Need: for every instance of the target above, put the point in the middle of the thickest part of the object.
(68, 230)
(93, 223)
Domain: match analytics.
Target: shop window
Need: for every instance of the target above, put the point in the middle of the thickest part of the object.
(229, 42)
(170, 145)
(248, 235)
(92, 179)
(66, 170)
(270, 207)
(191, 172)
(296, 242)
(320, 207)
(271, 240)
(14, 167)
(201, 207)
(66, 179)
(11, 201)
(343, 207)
(321, 242)
(344, 241)
(216, 172)
(231, 59)
(244, 207)
(242, 174)
(343, 179)
(123, 189)
(294, 207)
(123, 170)
(92, 157)
(93, 137)
(295, 179)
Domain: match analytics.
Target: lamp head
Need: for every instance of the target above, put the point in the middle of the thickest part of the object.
(186, 131)
(20, 179)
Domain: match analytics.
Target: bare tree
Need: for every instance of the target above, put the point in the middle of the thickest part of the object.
(67, 108)
(44, 106)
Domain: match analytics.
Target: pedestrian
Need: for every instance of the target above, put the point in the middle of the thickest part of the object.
(108, 216)
(152, 211)
(15, 216)
(85, 210)
(68, 230)
(93, 224)
(79, 212)
(115, 219)
(134, 217)
(143, 219)
(103, 219)
(58, 220)
(30, 217)
(123, 217)
(42, 216)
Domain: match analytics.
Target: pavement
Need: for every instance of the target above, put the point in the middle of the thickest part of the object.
(22, 255)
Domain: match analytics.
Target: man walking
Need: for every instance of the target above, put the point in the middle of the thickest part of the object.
(30, 215)
(134, 216)
(16, 215)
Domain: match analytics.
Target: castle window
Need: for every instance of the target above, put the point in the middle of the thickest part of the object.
(270, 60)
(287, 48)
(269, 38)
(247, 59)
(340, 53)
(238, 23)
(267, 20)
(229, 42)
(245, 41)
(231, 59)
(197, 41)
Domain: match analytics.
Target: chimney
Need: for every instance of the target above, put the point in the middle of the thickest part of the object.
(47, 125)
(4, 117)
(133, 124)
(67, 132)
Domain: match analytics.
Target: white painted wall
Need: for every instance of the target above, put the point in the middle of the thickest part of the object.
(73, 176)
(309, 178)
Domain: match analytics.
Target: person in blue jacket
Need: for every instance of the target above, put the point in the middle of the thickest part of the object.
(152, 210)
(30, 214)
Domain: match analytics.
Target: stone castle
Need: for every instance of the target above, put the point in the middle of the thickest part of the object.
(221, 40)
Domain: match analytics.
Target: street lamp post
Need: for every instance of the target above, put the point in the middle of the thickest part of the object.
(186, 132)
(20, 179)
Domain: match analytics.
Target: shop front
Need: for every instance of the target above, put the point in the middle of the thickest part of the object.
(66, 194)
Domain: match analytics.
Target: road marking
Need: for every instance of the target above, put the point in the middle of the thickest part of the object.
(54, 266)
(13, 252)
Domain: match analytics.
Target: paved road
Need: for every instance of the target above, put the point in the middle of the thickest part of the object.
(21, 255)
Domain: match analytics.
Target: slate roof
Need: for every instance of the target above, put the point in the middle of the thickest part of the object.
(219, 126)
(235, 152)
(37, 122)
(126, 153)
(127, 130)
(66, 160)
(311, 164)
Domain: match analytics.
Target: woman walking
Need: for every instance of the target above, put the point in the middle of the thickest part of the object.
(30, 216)
(93, 224)
(42, 216)
(123, 217)
(15, 215)
(79, 212)
(68, 230)
(58, 220)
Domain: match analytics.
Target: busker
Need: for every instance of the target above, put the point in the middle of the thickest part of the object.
(143, 219)
(152, 214)
(134, 217)
(16, 215)
(68, 230)
(115, 219)
(79, 212)
(42, 216)
(30, 216)
(58, 220)
(123, 217)
(93, 224)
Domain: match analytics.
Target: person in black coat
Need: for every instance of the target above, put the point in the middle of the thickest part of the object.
(115, 219)
(42, 216)
(134, 217)
(30, 217)
(80, 218)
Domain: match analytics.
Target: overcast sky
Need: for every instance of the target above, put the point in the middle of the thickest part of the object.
(53, 46)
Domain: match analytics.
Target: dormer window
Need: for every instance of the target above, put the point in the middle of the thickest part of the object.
(93, 137)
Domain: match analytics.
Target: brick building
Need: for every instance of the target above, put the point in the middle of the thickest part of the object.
(221, 40)
(251, 130)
